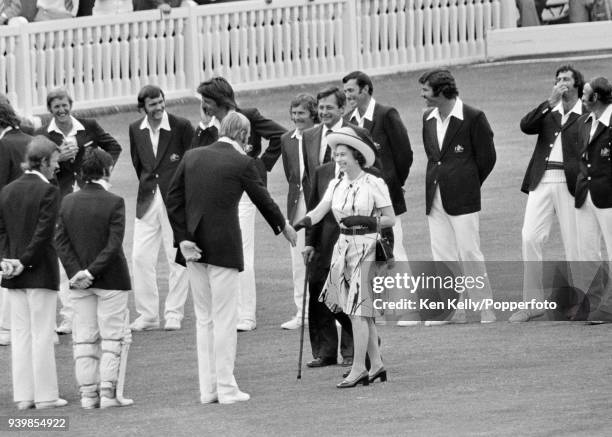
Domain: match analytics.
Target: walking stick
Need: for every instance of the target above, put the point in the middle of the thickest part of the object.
(299, 375)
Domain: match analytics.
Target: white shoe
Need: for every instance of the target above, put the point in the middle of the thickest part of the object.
(408, 323)
(90, 403)
(294, 323)
(246, 325)
(487, 316)
(114, 402)
(436, 322)
(142, 324)
(239, 396)
(51, 404)
(25, 405)
(5, 337)
(172, 324)
(65, 327)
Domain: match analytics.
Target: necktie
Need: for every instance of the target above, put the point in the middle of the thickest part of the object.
(327, 156)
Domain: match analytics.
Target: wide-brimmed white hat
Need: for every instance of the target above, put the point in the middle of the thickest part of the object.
(357, 139)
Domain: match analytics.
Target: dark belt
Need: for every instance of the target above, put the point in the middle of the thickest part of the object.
(554, 165)
(356, 231)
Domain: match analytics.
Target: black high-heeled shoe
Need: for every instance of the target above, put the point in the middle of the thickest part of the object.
(380, 374)
(361, 379)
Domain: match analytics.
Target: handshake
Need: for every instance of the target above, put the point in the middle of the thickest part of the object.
(11, 268)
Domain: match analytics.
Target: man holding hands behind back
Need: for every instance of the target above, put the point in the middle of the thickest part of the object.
(203, 209)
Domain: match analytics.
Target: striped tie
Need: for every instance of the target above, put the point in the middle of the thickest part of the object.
(68, 4)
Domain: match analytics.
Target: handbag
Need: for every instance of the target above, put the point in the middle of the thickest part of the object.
(384, 246)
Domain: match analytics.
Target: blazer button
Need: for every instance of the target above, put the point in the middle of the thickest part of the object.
(589, 165)
(551, 146)
(589, 178)
(439, 163)
(156, 176)
(152, 191)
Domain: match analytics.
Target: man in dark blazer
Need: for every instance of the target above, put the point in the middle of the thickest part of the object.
(217, 101)
(387, 130)
(203, 206)
(157, 145)
(460, 155)
(30, 271)
(73, 136)
(13, 144)
(89, 240)
(550, 180)
(303, 113)
(594, 193)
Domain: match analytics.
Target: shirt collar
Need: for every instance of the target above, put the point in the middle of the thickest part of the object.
(369, 113)
(4, 131)
(335, 127)
(297, 134)
(576, 109)
(214, 122)
(37, 173)
(457, 111)
(105, 184)
(165, 123)
(604, 118)
(234, 144)
(76, 126)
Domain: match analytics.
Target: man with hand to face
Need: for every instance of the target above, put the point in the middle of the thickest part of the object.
(203, 206)
(157, 145)
(73, 136)
(550, 180)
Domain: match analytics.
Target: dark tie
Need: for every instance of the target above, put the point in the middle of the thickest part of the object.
(327, 156)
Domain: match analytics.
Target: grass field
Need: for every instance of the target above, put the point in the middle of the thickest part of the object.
(537, 379)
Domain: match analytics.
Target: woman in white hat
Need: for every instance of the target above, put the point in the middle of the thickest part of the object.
(358, 200)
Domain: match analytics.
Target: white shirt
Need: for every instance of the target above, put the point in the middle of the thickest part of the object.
(154, 133)
(37, 173)
(234, 144)
(71, 136)
(442, 126)
(105, 184)
(556, 154)
(603, 119)
(297, 134)
(4, 131)
(368, 114)
(214, 122)
(324, 146)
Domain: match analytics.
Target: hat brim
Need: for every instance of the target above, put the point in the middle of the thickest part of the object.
(335, 139)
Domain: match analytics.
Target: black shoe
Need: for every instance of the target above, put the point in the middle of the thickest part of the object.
(361, 379)
(322, 362)
(380, 374)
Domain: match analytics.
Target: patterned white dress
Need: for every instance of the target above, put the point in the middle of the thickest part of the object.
(365, 195)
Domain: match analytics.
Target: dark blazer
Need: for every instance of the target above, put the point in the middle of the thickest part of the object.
(595, 167)
(203, 201)
(143, 5)
(546, 124)
(70, 171)
(12, 153)
(28, 213)
(291, 164)
(261, 127)
(388, 131)
(460, 168)
(90, 234)
(157, 170)
(323, 235)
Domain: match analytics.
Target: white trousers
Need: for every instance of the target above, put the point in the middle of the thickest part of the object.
(66, 310)
(150, 232)
(247, 298)
(215, 297)
(5, 309)
(593, 223)
(543, 203)
(457, 238)
(99, 323)
(297, 261)
(399, 252)
(32, 350)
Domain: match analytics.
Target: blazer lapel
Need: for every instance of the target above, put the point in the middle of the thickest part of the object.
(162, 146)
(146, 146)
(453, 126)
(430, 132)
(571, 119)
(598, 131)
(311, 154)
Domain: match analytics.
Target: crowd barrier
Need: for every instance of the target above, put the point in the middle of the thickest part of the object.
(104, 60)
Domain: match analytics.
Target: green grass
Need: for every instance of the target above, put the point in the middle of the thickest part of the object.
(537, 379)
